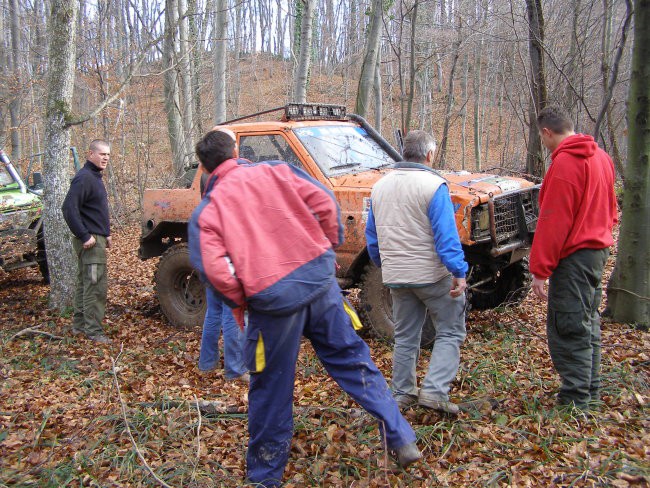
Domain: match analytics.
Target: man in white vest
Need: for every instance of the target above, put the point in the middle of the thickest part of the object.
(411, 234)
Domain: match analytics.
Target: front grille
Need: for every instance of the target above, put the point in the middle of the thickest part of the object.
(515, 214)
(506, 217)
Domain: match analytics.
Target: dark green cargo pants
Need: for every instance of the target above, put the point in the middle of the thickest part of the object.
(573, 325)
(91, 289)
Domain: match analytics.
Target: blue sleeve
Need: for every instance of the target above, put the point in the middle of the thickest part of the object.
(445, 234)
(371, 238)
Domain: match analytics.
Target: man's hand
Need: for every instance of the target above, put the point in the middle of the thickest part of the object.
(539, 285)
(90, 242)
(109, 241)
(458, 286)
(238, 313)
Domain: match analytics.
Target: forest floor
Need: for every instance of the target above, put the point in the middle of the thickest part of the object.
(68, 406)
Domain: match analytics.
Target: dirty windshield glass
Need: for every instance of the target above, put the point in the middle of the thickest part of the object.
(5, 177)
(343, 149)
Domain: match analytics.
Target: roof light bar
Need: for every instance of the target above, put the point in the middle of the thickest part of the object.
(314, 111)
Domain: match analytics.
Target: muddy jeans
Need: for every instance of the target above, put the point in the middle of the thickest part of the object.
(410, 307)
(573, 325)
(91, 288)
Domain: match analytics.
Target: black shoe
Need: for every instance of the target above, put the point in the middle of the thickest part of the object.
(407, 454)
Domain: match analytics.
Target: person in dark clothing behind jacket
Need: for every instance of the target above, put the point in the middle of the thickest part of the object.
(574, 231)
(85, 210)
(263, 237)
(411, 234)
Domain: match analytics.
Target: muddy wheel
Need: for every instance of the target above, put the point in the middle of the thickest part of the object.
(377, 309)
(180, 292)
(509, 286)
(41, 256)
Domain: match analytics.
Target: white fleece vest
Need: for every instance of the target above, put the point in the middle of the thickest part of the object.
(400, 202)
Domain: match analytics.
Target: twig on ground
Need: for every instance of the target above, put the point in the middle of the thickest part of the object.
(30, 331)
(198, 438)
(128, 429)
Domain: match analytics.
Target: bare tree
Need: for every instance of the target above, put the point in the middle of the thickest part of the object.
(629, 290)
(301, 72)
(220, 60)
(370, 60)
(538, 96)
(60, 84)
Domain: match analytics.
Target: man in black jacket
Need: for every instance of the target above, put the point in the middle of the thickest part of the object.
(85, 210)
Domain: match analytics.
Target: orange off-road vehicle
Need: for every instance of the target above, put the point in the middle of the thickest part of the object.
(495, 215)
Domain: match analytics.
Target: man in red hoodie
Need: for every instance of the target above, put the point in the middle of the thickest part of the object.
(574, 231)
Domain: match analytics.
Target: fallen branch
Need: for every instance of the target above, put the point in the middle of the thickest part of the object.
(128, 429)
(32, 331)
(213, 407)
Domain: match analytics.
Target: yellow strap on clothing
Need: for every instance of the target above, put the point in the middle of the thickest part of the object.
(260, 359)
(352, 313)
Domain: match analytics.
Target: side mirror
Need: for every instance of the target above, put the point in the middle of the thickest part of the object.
(37, 180)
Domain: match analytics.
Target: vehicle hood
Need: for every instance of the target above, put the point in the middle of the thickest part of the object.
(458, 181)
(14, 200)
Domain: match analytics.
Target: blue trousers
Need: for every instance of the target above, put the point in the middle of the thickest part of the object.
(271, 352)
(217, 316)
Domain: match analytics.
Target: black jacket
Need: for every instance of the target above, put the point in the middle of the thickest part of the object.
(85, 207)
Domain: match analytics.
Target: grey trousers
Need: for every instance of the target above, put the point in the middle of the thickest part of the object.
(573, 325)
(410, 307)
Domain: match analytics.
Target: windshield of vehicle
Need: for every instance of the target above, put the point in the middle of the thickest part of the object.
(5, 177)
(343, 149)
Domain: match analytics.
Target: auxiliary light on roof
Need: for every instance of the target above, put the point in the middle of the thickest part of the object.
(314, 111)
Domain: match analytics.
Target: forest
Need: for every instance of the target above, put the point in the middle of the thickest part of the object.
(152, 77)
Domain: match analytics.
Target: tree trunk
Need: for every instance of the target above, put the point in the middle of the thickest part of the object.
(411, 95)
(455, 51)
(301, 74)
(534, 158)
(220, 62)
(60, 85)
(378, 94)
(171, 90)
(369, 66)
(629, 290)
(15, 105)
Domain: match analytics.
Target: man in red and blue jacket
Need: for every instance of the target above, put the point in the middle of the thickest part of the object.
(263, 237)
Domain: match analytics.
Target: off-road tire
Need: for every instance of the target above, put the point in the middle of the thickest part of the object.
(41, 256)
(510, 287)
(377, 310)
(180, 292)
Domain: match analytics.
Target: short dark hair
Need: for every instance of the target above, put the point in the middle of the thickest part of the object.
(417, 145)
(555, 119)
(215, 148)
(95, 143)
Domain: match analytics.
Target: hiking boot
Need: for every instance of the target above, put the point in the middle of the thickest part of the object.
(101, 338)
(407, 454)
(406, 401)
(437, 403)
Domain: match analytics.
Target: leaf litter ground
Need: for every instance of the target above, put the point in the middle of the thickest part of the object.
(62, 422)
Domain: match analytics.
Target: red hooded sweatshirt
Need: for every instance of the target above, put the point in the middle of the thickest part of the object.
(577, 204)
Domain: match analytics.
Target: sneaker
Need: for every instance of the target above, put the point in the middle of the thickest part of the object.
(438, 404)
(407, 454)
(244, 378)
(406, 401)
(101, 338)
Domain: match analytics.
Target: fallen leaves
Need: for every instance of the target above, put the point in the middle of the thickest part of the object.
(60, 420)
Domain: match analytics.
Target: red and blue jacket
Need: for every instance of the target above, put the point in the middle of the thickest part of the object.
(264, 236)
